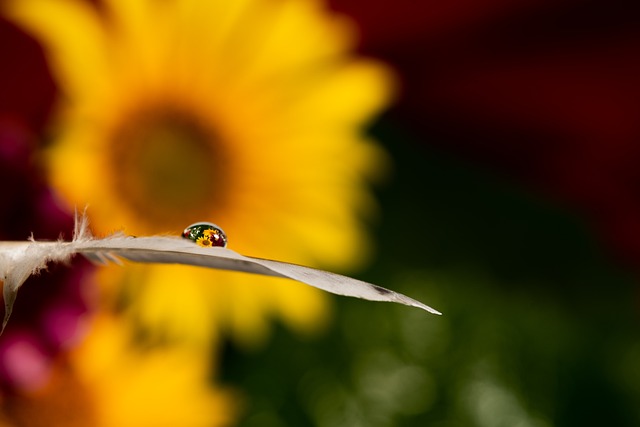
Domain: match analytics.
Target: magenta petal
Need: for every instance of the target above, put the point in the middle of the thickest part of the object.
(23, 362)
(64, 326)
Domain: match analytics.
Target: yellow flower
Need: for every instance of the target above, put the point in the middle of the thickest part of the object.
(256, 103)
(106, 382)
(205, 242)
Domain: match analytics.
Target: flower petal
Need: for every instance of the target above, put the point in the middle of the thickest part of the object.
(75, 42)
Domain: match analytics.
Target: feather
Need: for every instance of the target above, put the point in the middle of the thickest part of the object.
(19, 260)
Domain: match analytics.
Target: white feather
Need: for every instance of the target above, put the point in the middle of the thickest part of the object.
(19, 260)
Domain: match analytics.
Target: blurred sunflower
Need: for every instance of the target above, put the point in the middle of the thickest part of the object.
(53, 372)
(247, 113)
(108, 382)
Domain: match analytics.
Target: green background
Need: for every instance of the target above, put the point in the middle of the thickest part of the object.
(539, 324)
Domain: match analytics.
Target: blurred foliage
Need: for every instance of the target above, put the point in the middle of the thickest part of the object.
(539, 327)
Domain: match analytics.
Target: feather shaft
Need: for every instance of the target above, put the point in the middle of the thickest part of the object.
(19, 260)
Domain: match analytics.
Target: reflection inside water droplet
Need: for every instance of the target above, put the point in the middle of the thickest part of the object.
(206, 234)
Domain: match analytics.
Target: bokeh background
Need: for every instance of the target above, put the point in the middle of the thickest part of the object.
(509, 201)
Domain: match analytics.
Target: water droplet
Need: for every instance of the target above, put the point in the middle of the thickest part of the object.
(205, 234)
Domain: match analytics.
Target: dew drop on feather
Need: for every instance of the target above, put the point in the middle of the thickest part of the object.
(206, 234)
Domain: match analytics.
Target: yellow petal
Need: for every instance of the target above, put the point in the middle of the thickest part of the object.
(282, 101)
(131, 387)
(74, 40)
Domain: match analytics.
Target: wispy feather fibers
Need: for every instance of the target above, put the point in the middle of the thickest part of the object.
(19, 260)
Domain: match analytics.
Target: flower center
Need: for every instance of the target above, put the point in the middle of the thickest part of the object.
(166, 166)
